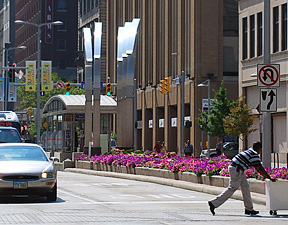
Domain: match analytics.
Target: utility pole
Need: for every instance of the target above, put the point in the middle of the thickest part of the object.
(266, 117)
(182, 110)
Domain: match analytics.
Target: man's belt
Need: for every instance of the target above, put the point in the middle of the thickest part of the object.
(238, 167)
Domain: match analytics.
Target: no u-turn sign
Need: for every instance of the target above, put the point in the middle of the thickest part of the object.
(268, 75)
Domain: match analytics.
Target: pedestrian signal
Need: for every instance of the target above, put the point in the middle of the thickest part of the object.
(163, 86)
(67, 88)
(108, 89)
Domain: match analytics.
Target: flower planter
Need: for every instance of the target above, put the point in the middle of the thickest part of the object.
(123, 169)
(103, 167)
(257, 186)
(117, 168)
(84, 164)
(87, 165)
(190, 177)
(213, 180)
(140, 170)
(109, 168)
(78, 164)
(96, 166)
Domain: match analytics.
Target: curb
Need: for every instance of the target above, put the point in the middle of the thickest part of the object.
(256, 198)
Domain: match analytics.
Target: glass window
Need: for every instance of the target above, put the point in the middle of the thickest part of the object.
(245, 38)
(61, 45)
(84, 6)
(54, 105)
(62, 64)
(88, 5)
(61, 4)
(252, 36)
(259, 34)
(276, 29)
(63, 26)
(81, 7)
(284, 27)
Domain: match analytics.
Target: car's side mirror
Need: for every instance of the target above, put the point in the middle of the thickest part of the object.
(54, 159)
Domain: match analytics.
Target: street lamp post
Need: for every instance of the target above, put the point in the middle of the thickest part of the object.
(7, 50)
(206, 83)
(39, 26)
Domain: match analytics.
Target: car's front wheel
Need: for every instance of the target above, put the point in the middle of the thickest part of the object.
(52, 196)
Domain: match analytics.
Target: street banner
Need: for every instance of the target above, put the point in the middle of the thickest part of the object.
(30, 76)
(46, 76)
(12, 95)
(2, 86)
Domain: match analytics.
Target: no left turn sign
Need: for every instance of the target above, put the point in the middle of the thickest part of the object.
(268, 75)
(60, 84)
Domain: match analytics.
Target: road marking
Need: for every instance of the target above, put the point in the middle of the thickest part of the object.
(183, 196)
(109, 184)
(161, 196)
(82, 185)
(77, 196)
(124, 196)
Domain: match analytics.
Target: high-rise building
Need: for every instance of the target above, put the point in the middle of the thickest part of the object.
(270, 97)
(199, 38)
(58, 43)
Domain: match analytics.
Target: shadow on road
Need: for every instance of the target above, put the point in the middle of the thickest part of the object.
(26, 200)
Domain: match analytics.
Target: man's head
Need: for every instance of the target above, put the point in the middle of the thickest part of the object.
(257, 146)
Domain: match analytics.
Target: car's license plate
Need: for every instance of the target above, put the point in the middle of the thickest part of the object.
(20, 185)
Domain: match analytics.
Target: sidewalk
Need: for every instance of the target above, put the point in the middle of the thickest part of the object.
(256, 198)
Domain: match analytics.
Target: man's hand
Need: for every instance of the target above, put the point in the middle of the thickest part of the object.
(263, 172)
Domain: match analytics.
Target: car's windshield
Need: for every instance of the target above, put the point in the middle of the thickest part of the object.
(30, 153)
(9, 136)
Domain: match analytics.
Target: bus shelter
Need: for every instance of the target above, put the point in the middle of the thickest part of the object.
(65, 121)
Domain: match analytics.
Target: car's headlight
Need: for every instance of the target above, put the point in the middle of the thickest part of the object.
(45, 175)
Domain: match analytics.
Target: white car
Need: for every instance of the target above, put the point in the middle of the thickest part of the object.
(26, 170)
(204, 153)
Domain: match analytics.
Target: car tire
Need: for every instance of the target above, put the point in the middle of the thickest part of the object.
(52, 196)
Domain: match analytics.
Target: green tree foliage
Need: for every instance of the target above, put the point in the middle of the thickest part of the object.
(29, 98)
(213, 123)
(240, 120)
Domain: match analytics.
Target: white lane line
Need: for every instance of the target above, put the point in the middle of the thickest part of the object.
(149, 202)
(77, 196)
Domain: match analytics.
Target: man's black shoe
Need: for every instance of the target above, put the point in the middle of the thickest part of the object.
(212, 208)
(253, 212)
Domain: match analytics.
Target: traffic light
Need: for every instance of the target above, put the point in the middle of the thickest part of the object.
(29, 111)
(163, 86)
(67, 88)
(188, 123)
(168, 84)
(13, 72)
(108, 88)
(10, 74)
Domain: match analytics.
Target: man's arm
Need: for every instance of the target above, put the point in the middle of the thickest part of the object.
(263, 172)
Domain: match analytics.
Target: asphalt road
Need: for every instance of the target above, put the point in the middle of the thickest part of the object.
(90, 199)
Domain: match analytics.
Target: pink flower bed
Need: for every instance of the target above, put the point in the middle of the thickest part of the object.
(173, 162)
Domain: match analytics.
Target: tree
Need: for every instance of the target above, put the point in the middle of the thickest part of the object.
(27, 98)
(240, 120)
(213, 122)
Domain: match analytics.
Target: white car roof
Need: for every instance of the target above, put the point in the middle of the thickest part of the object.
(19, 144)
